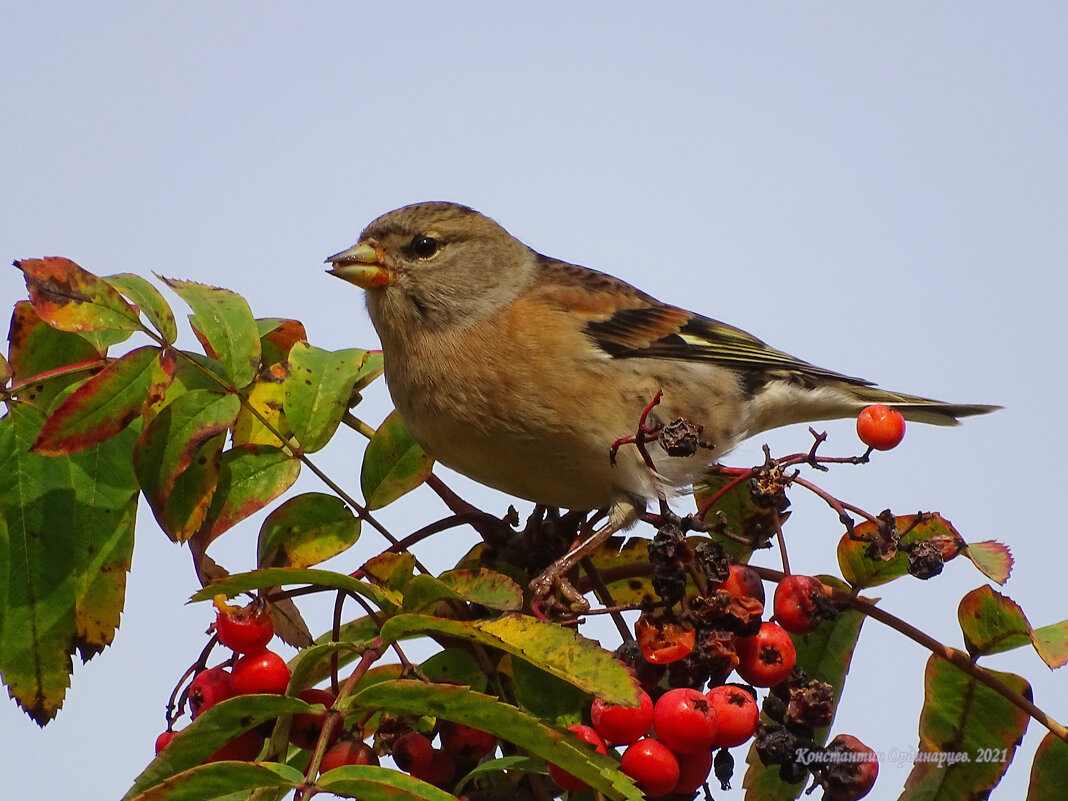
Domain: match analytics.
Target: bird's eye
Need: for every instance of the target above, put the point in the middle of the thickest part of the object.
(424, 247)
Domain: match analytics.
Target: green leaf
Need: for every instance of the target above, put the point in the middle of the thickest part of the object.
(372, 369)
(72, 299)
(455, 666)
(284, 576)
(220, 779)
(862, 571)
(150, 301)
(306, 530)
(964, 720)
(483, 712)
(225, 326)
(390, 570)
(179, 456)
(555, 649)
(251, 477)
(393, 463)
(317, 391)
(485, 587)
(991, 622)
(546, 696)
(374, 783)
(1051, 642)
(1049, 771)
(824, 654)
(106, 403)
(68, 545)
(212, 729)
(38, 351)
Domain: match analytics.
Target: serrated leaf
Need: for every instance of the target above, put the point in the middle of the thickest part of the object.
(1051, 642)
(220, 780)
(545, 696)
(108, 402)
(150, 301)
(1049, 771)
(178, 458)
(39, 351)
(261, 416)
(317, 391)
(212, 729)
(305, 530)
(374, 783)
(393, 463)
(284, 576)
(251, 476)
(991, 622)
(277, 336)
(555, 649)
(390, 570)
(224, 322)
(485, 587)
(483, 712)
(68, 545)
(72, 299)
(992, 558)
(962, 716)
(862, 571)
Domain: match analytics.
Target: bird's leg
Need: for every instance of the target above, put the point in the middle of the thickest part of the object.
(554, 577)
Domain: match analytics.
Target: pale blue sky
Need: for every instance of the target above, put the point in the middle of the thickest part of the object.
(880, 189)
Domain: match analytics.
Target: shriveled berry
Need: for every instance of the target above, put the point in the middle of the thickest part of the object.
(661, 641)
(622, 725)
(850, 775)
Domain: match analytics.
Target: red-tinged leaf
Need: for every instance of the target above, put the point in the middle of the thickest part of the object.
(393, 464)
(65, 547)
(178, 458)
(317, 391)
(558, 650)
(991, 622)
(214, 728)
(486, 713)
(223, 320)
(861, 570)
(1049, 771)
(306, 530)
(150, 302)
(251, 477)
(993, 559)
(38, 353)
(5, 371)
(278, 336)
(1051, 642)
(258, 421)
(746, 522)
(492, 590)
(107, 403)
(968, 734)
(72, 299)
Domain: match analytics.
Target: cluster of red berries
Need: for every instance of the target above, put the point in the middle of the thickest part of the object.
(253, 669)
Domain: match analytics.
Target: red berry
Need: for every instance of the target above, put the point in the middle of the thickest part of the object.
(305, 728)
(684, 721)
(744, 582)
(208, 688)
(661, 641)
(563, 779)
(439, 772)
(347, 752)
(880, 427)
(736, 713)
(243, 748)
(801, 603)
(767, 657)
(244, 630)
(652, 766)
(622, 725)
(693, 770)
(851, 777)
(465, 743)
(164, 740)
(263, 672)
(412, 752)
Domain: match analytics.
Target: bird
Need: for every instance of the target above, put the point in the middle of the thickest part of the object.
(520, 371)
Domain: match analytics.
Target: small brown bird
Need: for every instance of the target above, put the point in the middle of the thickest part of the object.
(520, 371)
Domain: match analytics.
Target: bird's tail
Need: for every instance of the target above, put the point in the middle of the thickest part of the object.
(916, 408)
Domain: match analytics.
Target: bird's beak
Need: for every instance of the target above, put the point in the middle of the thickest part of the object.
(362, 265)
